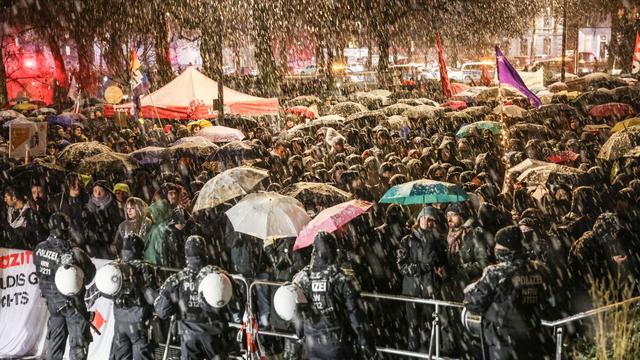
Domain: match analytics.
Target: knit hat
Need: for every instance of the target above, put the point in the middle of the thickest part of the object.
(121, 187)
(458, 208)
(428, 212)
(510, 237)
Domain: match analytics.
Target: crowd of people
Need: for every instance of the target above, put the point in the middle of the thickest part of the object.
(581, 229)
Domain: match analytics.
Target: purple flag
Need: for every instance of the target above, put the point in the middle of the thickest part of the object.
(508, 75)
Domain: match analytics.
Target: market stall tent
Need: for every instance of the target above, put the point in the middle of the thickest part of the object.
(191, 96)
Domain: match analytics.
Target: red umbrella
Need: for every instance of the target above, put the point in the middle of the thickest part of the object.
(455, 105)
(330, 220)
(617, 110)
(563, 157)
(458, 88)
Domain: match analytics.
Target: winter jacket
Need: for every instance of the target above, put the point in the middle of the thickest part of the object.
(160, 214)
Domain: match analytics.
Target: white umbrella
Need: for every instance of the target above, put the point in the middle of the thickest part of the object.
(227, 185)
(268, 215)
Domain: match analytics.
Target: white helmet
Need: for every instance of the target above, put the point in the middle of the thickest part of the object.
(109, 279)
(69, 280)
(472, 323)
(216, 288)
(286, 299)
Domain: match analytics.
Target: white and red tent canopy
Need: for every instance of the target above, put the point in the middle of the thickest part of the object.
(191, 96)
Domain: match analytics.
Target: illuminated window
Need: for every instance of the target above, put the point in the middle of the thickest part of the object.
(546, 46)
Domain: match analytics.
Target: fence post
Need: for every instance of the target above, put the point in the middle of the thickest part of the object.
(172, 323)
(436, 321)
(558, 342)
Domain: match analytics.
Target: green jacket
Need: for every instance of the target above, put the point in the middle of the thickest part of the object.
(160, 212)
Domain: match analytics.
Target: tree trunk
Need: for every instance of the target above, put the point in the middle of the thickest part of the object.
(268, 74)
(164, 74)
(370, 54)
(116, 60)
(58, 61)
(85, 77)
(395, 55)
(282, 55)
(208, 53)
(4, 96)
(384, 78)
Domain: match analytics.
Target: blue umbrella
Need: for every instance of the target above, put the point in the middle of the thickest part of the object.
(150, 155)
(424, 192)
(66, 119)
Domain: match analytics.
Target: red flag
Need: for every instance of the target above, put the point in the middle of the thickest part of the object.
(635, 68)
(444, 77)
(485, 79)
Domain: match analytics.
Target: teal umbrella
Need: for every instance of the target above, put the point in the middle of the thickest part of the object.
(424, 192)
(494, 126)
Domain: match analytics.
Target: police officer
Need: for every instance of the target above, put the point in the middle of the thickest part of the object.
(511, 296)
(333, 305)
(201, 327)
(67, 314)
(133, 303)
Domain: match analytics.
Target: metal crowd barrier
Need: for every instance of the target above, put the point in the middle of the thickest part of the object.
(557, 325)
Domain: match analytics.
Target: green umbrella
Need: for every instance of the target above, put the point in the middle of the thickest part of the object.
(494, 126)
(424, 192)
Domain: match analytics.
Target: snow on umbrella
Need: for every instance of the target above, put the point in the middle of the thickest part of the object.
(45, 111)
(397, 122)
(510, 111)
(310, 194)
(520, 168)
(396, 109)
(563, 157)
(330, 220)
(455, 105)
(328, 121)
(21, 120)
(150, 155)
(424, 192)
(7, 115)
(551, 174)
(493, 126)
(304, 100)
(423, 111)
(491, 93)
(78, 151)
(557, 87)
(367, 118)
(192, 146)
(347, 108)
(228, 185)
(221, 134)
(268, 215)
(625, 124)
(633, 153)
(615, 110)
(619, 143)
(106, 164)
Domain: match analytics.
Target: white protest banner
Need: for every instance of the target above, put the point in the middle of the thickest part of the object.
(24, 314)
(27, 135)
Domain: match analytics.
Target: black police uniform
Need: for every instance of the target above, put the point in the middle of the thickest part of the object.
(332, 306)
(66, 314)
(133, 305)
(511, 296)
(201, 327)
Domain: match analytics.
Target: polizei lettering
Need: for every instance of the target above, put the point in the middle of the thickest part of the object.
(49, 254)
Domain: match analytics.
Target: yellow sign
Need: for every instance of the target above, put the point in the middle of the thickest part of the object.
(113, 95)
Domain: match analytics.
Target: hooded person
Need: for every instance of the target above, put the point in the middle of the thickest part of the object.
(333, 316)
(67, 311)
(447, 153)
(585, 208)
(133, 303)
(104, 219)
(420, 258)
(201, 327)
(160, 213)
(511, 297)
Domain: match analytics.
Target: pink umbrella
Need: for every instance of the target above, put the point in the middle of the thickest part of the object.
(221, 134)
(330, 220)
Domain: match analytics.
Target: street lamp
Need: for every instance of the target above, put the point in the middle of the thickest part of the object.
(564, 39)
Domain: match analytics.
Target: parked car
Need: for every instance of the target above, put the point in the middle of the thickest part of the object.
(472, 71)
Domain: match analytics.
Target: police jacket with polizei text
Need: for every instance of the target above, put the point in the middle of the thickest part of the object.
(179, 295)
(332, 299)
(511, 297)
(48, 257)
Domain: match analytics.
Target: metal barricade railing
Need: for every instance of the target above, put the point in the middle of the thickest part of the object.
(558, 325)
